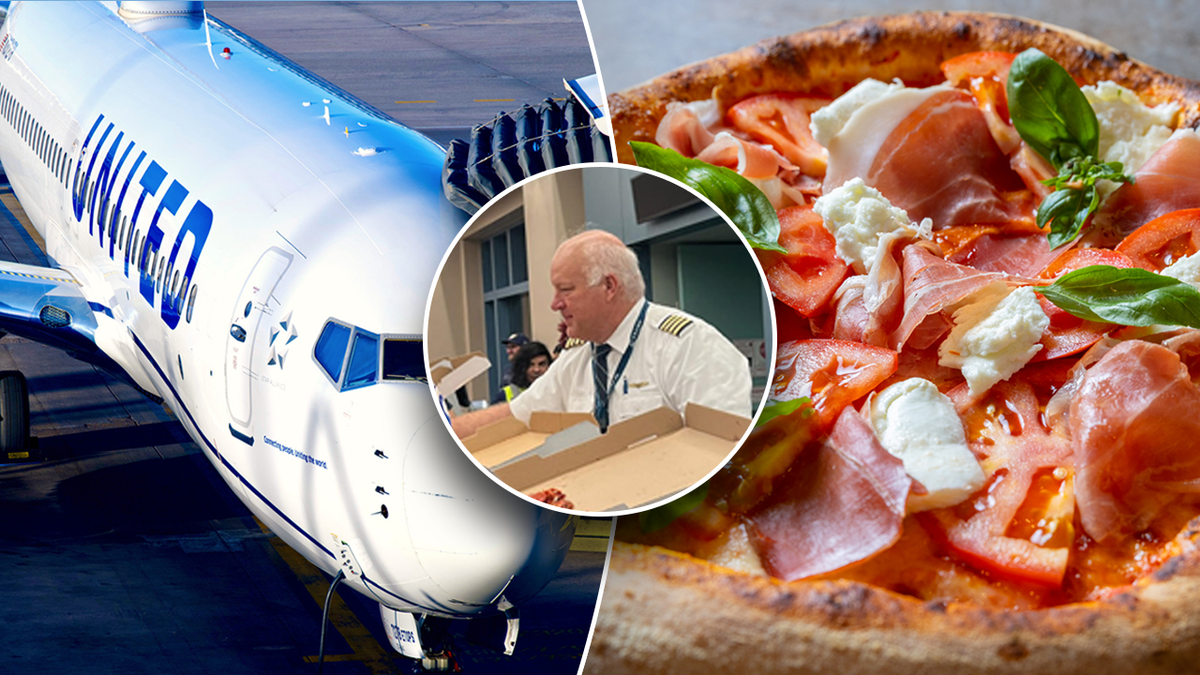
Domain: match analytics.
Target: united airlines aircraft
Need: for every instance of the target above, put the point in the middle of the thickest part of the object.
(254, 247)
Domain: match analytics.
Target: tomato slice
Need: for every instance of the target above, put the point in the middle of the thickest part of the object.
(789, 325)
(1164, 240)
(1068, 334)
(1020, 525)
(1078, 258)
(978, 64)
(986, 75)
(809, 274)
(833, 373)
(782, 121)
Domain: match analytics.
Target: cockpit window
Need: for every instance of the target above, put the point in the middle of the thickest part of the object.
(352, 357)
(403, 359)
(364, 361)
(331, 349)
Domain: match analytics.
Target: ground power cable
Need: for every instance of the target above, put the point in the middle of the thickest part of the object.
(325, 618)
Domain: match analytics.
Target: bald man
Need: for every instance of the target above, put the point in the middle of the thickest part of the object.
(646, 355)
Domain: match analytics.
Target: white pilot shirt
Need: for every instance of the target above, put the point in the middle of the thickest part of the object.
(677, 359)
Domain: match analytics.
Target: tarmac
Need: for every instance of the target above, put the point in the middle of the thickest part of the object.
(128, 553)
(439, 67)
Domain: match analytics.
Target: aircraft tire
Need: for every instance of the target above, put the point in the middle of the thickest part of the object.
(14, 416)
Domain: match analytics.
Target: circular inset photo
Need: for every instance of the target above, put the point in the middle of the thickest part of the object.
(600, 338)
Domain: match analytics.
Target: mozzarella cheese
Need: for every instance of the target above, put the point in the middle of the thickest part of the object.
(918, 424)
(1130, 131)
(736, 552)
(858, 216)
(1186, 269)
(994, 336)
(829, 121)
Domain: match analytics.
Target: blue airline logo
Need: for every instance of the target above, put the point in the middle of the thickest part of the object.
(105, 167)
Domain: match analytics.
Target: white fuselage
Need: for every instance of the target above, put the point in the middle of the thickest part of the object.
(219, 214)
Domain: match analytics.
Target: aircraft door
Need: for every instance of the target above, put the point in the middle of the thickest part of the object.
(252, 312)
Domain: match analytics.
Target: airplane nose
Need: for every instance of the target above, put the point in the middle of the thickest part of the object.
(474, 539)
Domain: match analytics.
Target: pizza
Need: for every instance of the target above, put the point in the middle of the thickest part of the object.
(983, 451)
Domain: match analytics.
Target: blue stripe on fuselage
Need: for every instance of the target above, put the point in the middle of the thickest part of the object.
(216, 453)
(182, 406)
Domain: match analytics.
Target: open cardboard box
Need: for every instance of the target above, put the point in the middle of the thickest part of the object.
(502, 441)
(451, 373)
(639, 461)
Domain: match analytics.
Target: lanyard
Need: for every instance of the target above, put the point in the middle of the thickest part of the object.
(633, 336)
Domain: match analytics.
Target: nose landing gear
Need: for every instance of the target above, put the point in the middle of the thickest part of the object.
(436, 642)
(429, 641)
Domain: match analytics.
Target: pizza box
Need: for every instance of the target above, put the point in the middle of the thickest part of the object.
(502, 441)
(449, 374)
(639, 461)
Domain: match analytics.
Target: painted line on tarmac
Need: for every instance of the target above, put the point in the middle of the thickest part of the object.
(365, 647)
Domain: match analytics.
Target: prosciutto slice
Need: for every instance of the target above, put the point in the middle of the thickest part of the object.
(844, 505)
(747, 158)
(1129, 465)
(932, 284)
(684, 128)
(694, 130)
(869, 306)
(939, 161)
(1168, 181)
(1019, 255)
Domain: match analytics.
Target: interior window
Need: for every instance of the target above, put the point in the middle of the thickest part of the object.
(330, 351)
(403, 359)
(364, 361)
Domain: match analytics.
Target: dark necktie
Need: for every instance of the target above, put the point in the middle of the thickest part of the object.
(600, 380)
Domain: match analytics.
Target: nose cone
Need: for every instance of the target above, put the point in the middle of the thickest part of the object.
(475, 540)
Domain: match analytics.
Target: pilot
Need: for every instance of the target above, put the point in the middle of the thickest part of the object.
(626, 355)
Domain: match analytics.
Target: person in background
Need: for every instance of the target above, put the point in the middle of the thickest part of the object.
(531, 361)
(512, 344)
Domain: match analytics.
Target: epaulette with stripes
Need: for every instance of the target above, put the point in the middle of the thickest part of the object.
(674, 324)
(572, 343)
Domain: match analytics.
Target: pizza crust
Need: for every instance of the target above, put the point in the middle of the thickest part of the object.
(827, 61)
(666, 612)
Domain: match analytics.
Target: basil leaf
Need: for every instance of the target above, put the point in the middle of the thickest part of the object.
(1075, 197)
(1130, 297)
(657, 518)
(738, 198)
(1062, 210)
(1054, 118)
(775, 409)
(1049, 111)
